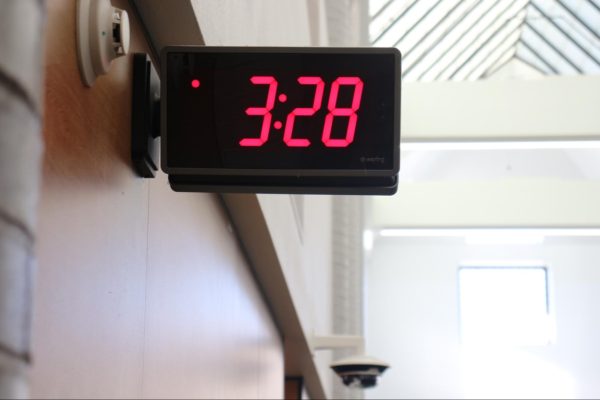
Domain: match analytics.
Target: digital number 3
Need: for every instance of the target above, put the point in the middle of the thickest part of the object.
(262, 111)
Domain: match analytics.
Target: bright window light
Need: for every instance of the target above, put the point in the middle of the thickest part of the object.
(368, 239)
(497, 238)
(504, 306)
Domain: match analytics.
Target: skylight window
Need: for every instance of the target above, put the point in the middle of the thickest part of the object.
(472, 39)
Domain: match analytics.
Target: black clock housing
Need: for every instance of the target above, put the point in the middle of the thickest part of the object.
(281, 120)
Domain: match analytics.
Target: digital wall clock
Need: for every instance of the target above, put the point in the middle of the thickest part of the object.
(280, 120)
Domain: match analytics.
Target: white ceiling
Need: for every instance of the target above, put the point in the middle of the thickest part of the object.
(457, 165)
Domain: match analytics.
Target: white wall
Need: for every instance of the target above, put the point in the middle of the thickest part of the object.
(253, 23)
(412, 319)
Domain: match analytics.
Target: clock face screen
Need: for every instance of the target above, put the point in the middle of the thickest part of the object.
(282, 110)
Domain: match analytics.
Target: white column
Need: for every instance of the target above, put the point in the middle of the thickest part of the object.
(21, 55)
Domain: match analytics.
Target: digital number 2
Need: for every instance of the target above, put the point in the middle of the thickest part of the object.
(305, 111)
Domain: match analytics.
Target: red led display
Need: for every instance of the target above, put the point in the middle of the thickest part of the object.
(293, 111)
(334, 111)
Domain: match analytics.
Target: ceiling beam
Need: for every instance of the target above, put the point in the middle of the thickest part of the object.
(407, 51)
(561, 54)
(415, 24)
(538, 56)
(441, 36)
(509, 37)
(489, 38)
(455, 43)
(394, 22)
(578, 19)
(503, 59)
(565, 33)
(561, 108)
(530, 64)
(382, 9)
(593, 4)
(502, 14)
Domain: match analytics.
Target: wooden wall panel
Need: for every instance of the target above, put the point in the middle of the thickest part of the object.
(141, 292)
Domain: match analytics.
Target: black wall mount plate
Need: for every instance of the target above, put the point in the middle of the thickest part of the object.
(145, 121)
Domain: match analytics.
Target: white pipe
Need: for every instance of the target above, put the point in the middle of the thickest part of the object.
(21, 55)
(338, 342)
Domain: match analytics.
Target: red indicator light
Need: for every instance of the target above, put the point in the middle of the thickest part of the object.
(195, 83)
(277, 125)
(282, 98)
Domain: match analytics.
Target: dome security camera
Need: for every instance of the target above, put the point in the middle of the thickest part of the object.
(359, 371)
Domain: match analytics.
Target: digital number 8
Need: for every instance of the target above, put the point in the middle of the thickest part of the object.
(334, 111)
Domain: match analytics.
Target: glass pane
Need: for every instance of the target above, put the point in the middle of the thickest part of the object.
(504, 305)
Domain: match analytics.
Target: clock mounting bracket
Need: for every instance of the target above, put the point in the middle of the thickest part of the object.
(145, 117)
